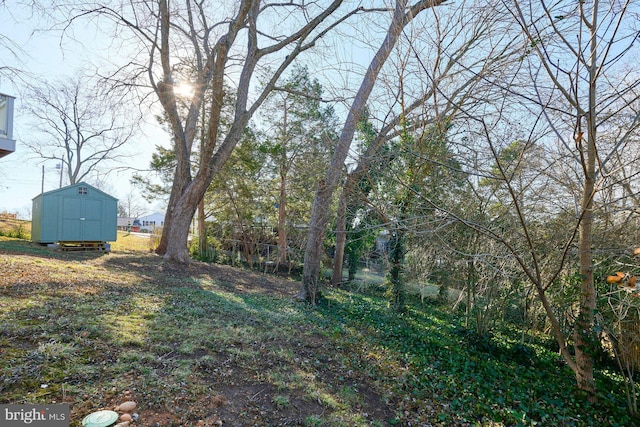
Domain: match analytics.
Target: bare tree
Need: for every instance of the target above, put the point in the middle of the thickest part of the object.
(549, 157)
(578, 49)
(130, 205)
(10, 52)
(209, 44)
(440, 67)
(403, 13)
(80, 124)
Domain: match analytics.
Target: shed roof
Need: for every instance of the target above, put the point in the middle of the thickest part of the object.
(78, 184)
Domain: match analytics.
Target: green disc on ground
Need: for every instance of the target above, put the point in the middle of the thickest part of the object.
(100, 419)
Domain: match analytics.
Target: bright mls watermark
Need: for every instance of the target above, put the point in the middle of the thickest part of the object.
(34, 415)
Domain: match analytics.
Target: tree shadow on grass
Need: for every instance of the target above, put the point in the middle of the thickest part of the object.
(263, 359)
(188, 343)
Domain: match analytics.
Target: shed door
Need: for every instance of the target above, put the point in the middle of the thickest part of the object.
(92, 223)
(81, 219)
(71, 214)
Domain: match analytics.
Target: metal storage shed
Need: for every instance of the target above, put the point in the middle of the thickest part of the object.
(76, 213)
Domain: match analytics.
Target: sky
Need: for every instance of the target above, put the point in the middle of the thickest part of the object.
(44, 54)
(41, 55)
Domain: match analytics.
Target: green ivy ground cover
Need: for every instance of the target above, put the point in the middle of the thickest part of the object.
(443, 371)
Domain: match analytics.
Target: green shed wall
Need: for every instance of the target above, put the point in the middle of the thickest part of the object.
(64, 215)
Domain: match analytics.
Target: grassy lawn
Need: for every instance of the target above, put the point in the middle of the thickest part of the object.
(136, 242)
(204, 344)
(15, 228)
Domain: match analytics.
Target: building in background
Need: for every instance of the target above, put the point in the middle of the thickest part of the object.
(7, 143)
(145, 224)
(151, 222)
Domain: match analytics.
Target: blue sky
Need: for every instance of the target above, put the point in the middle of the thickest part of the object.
(42, 54)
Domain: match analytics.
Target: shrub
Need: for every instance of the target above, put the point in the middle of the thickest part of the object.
(17, 232)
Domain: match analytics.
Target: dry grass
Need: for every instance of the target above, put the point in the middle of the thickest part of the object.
(191, 344)
(15, 227)
(128, 242)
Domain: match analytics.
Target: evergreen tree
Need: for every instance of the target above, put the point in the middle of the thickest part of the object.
(300, 135)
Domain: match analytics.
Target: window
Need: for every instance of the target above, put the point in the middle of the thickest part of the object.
(4, 119)
(82, 190)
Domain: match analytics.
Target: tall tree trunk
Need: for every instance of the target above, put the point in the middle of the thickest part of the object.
(282, 218)
(396, 291)
(591, 66)
(341, 239)
(584, 336)
(202, 232)
(187, 191)
(313, 253)
(182, 214)
(180, 182)
(324, 192)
